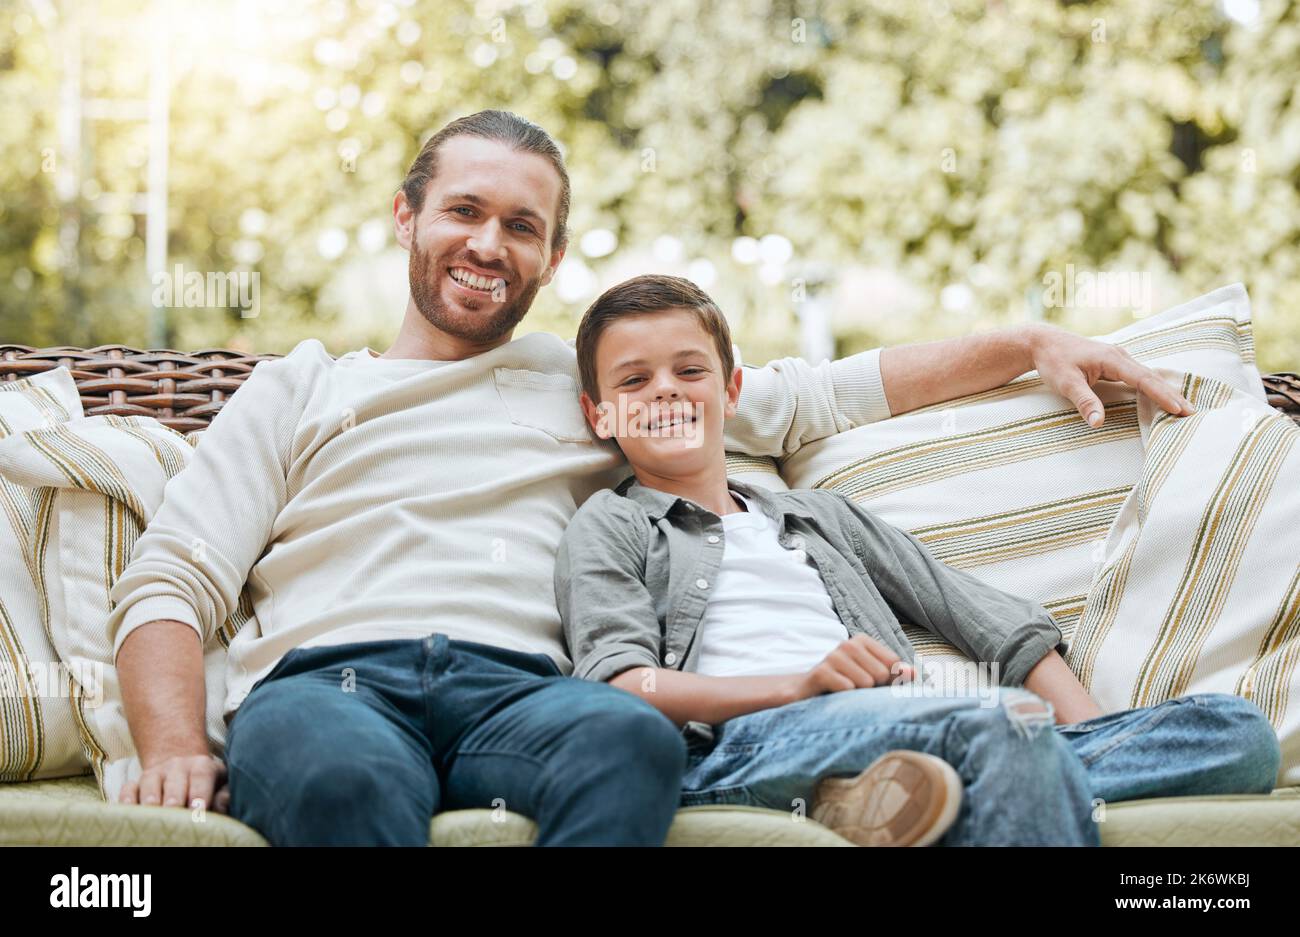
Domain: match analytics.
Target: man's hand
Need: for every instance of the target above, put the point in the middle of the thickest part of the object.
(181, 781)
(1070, 364)
(927, 373)
(858, 662)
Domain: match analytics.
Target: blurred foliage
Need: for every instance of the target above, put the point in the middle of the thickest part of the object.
(964, 148)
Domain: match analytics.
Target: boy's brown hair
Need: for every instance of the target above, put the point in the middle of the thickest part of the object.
(648, 294)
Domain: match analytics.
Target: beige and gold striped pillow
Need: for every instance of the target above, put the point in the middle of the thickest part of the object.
(755, 470)
(38, 731)
(102, 479)
(1199, 585)
(1011, 484)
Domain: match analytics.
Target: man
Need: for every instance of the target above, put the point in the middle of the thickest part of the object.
(396, 517)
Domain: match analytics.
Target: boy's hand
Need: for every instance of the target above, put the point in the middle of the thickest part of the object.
(857, 663)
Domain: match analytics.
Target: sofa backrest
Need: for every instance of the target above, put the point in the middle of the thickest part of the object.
(181, 390)
(186, 390)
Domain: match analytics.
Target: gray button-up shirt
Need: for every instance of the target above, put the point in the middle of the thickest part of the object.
(635, 568)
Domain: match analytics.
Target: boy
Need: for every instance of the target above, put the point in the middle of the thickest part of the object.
(766, 624)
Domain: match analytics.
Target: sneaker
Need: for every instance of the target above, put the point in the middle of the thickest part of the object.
(904, 798)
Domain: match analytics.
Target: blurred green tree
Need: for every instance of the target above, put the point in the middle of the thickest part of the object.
(962, 150)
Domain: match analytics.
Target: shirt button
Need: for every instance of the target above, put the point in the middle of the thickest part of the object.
(713, 538)
(670, 658)
(702, 583)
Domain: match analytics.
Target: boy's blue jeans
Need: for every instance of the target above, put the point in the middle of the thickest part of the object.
(1027, 781)
(362, 743)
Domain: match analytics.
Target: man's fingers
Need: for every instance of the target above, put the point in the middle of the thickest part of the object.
(176, 785)
(1077, 391)
(130, 793)
(221, 803)
(1148, 382)
(151, 788)
(201, 787)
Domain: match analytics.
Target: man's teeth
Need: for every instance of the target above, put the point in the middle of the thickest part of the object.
(465, 278)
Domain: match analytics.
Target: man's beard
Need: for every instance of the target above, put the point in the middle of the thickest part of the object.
(485, 324)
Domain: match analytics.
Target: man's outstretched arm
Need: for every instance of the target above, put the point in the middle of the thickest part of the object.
(788, 403)
(930, 372)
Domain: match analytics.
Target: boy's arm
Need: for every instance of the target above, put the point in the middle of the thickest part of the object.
(857, 662)
(1054, 681)
(789, 403)
(608, 614)
(613, 631)
(985, 622)
(691, 697)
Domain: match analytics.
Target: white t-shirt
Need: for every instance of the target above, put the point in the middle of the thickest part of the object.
(768, 610)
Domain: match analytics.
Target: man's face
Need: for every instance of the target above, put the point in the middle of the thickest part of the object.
(663, 395)
(481, 245)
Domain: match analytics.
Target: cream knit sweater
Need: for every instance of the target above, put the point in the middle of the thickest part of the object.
(365, 499)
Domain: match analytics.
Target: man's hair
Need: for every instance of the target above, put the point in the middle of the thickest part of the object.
(640, 296)
(504, 127)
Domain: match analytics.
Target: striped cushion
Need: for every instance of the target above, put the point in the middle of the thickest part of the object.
(1199, 586)
(102, 479)
(38, 733)
(755, 470)
(1011, 484)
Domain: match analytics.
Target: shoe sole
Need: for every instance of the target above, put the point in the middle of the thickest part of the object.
(903, 798)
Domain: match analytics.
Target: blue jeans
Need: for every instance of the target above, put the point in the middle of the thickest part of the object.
(362, 743)
(1025, 783)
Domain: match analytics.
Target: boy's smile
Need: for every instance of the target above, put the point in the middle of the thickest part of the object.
(663, 396)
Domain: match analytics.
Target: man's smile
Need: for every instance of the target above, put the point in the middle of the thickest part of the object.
(473, 282)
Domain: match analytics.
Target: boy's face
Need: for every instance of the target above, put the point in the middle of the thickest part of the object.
(663, 395)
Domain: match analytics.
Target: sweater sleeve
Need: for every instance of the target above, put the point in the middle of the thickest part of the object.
(788, 403)
(192, 560)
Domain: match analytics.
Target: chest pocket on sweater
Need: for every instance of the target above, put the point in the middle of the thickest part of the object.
(548, 402)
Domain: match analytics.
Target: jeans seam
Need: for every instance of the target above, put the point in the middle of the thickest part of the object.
(264, 791)
(710, 796)
(543, 774)
(1159, 714)
(740, 748)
